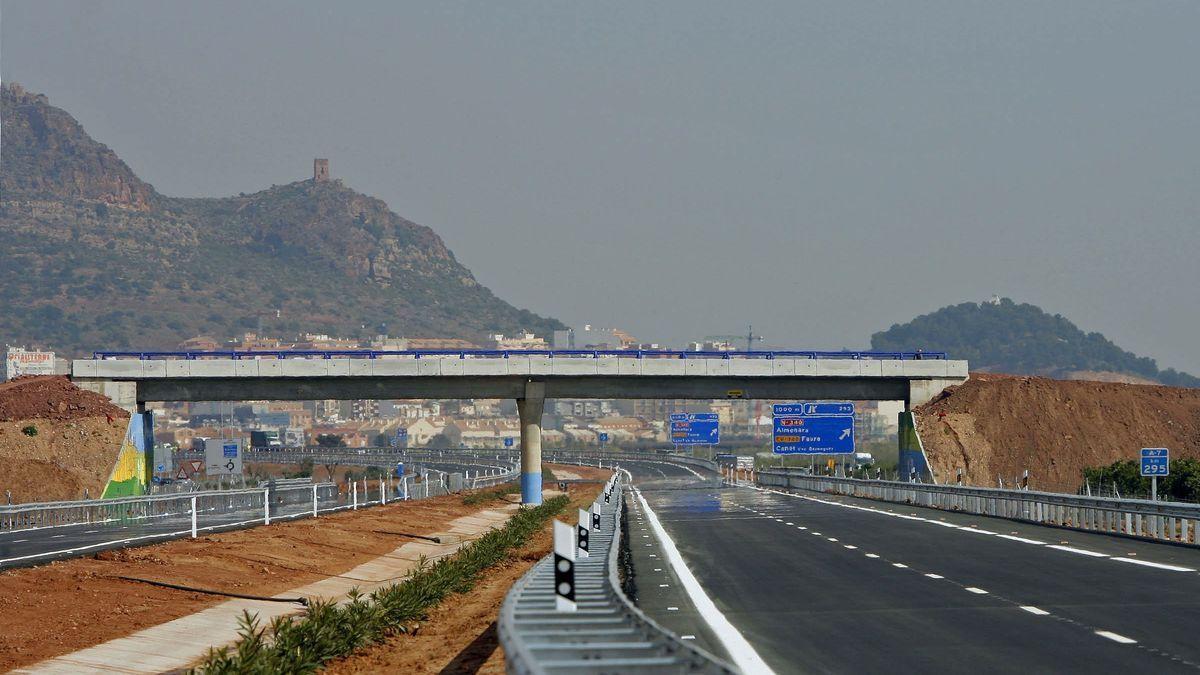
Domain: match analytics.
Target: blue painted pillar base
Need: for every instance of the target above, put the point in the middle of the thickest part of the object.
(531, 488)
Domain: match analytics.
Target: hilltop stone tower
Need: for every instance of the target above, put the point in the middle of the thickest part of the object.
(320, 170)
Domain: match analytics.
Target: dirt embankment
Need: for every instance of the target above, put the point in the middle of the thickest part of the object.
(56, 440)
(1001, 425)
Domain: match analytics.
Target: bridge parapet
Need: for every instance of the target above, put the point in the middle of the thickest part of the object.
(604, 365)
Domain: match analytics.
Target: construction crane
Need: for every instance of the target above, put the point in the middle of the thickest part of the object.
(749, 337)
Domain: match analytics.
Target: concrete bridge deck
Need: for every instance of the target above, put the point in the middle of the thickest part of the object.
(472, 376)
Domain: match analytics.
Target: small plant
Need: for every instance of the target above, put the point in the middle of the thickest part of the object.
(30, 431)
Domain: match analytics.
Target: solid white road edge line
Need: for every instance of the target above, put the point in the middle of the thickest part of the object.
(743, 654)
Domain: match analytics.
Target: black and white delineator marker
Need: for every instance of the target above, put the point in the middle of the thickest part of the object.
(595, 517)
(564, 567)
(582, 529)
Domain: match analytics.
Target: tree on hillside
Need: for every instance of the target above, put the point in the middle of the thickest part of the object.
(1019, 338)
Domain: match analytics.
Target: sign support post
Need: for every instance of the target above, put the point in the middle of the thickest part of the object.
(1155, 462)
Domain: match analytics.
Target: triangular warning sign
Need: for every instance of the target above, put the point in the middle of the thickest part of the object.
(182, 474)
(196, 465)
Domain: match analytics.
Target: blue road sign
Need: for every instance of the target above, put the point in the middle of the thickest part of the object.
(1156, 462)
(603, 437)
(820, 408)
(814, 434)
(399, 469)
(230, 449)
(508, 441)
(695, 429)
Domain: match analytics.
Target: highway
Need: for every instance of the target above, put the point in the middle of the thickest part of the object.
(816, 583)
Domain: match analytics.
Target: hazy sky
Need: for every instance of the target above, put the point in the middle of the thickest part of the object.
(821, 170)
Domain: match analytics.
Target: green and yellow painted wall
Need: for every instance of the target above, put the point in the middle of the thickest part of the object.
(131, 475)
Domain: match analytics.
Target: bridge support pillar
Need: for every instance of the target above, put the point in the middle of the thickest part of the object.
(530, 410)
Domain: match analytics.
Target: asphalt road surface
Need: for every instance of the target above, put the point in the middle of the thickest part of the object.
(817, 583)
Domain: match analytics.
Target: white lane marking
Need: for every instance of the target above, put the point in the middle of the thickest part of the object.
(91, 532)
(663, 585)
(57, 536)
(672, 609)
(17, 541)
(1115, 637)
(935, 576)
(900, 565)
(977, 591)
(850, 546)
(1080, 551)
(872, 555)
(976, 530)
(687, 637)
(657, 569)
(739, 649)
(1034, 610)
(816, 534)
(789, 523)
(1147, 563)
(802, 527)
(1023, 540)
(832, 539)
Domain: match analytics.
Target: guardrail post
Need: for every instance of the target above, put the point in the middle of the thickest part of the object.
(193, 517)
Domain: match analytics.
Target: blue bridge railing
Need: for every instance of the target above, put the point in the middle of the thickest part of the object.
(506, 353)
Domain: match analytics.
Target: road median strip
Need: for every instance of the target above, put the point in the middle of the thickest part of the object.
(328, 630)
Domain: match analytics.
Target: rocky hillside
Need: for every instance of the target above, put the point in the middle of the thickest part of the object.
(95, 258)
(997, 426)
(1006, 337)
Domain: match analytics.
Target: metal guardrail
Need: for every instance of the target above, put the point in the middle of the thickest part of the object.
(607, 633)
(1163, 521)
(506, 353)
(260, 503)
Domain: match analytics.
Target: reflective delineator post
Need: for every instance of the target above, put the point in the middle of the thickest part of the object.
(193, 517)
(596, 516)
(564, 567)
(354, 495)
(314, 501)
(267, 506)
(582, 530)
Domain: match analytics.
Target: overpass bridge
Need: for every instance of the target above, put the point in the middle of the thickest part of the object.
(133, 378)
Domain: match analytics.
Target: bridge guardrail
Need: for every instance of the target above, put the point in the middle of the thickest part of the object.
(608, 633)
(1162, 521)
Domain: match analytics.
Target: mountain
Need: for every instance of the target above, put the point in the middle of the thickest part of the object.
(1002, 336)
(96, 258)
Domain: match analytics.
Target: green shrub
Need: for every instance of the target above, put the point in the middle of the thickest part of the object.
(29, 430)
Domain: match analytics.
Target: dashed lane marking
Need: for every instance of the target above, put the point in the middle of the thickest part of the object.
(1116, 637)
(977, 591)
(1034, 610)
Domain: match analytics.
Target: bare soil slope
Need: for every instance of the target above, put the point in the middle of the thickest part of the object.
(1000, 425)
(78, 435)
